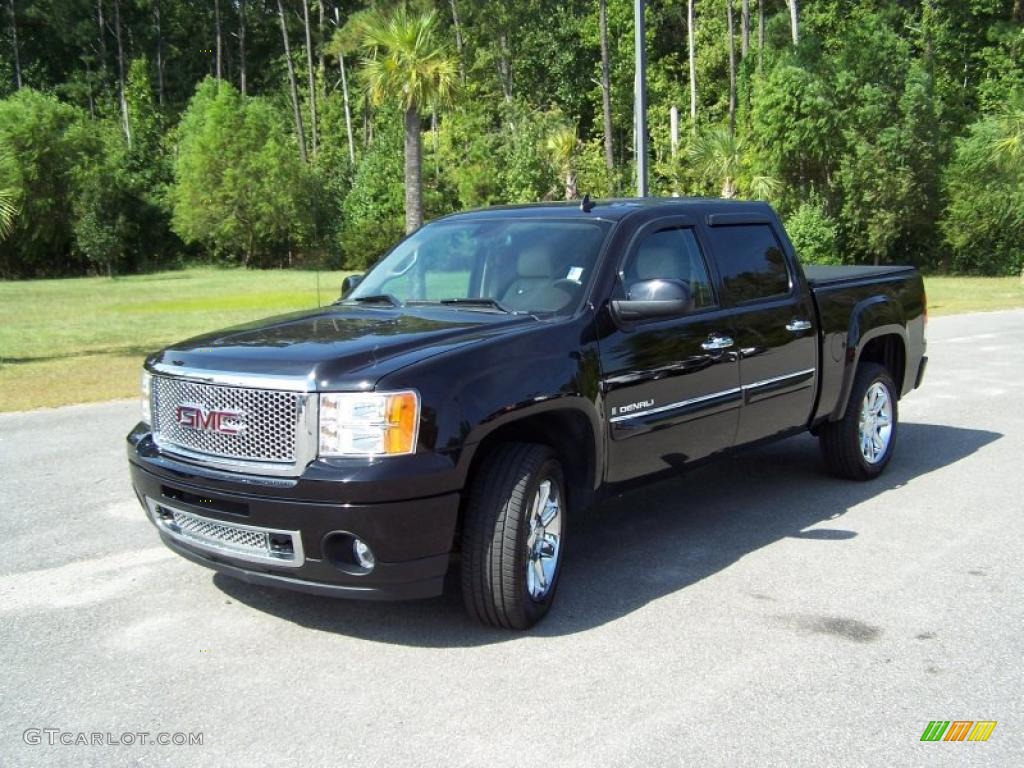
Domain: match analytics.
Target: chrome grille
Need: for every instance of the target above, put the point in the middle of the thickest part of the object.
(270, 419)
(227, 536)
(245, 542)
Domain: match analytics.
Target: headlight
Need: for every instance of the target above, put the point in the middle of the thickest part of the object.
(147, 403)
(368, 424)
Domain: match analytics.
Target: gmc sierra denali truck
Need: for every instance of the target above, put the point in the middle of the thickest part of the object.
(486, 380)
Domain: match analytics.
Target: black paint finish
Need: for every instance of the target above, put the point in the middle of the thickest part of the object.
(621, 399)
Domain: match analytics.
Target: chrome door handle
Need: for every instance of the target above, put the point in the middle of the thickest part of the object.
(716, 342)
(796, 325)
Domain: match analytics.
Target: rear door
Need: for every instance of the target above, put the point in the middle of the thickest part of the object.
(671, 386)
(772, 324)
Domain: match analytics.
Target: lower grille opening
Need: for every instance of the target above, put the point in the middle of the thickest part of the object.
(244, 542)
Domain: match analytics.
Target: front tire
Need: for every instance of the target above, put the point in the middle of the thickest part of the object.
(513, 536)
(860, 445)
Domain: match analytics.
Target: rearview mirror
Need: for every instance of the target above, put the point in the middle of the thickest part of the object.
(350, 282)
(649, 299)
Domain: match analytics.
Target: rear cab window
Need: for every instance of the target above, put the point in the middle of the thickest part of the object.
(751, 262)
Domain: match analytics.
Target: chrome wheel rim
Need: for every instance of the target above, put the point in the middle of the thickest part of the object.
(544, 541)
(875, 423)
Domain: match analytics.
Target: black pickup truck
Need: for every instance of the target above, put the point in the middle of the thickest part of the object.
(485, 381)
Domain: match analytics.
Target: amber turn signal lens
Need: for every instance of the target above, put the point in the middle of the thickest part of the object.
(402, 416)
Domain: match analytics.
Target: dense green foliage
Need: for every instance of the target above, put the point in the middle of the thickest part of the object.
(892, 131)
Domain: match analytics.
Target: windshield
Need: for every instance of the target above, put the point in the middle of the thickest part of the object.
(514, 265)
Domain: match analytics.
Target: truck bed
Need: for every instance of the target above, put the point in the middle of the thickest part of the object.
(826, 277)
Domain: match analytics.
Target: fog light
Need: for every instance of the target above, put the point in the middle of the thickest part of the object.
(363, 554)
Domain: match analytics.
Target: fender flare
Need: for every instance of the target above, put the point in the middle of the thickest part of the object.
(509, 415)
(871, 318)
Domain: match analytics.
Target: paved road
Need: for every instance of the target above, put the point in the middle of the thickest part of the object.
(756, 613)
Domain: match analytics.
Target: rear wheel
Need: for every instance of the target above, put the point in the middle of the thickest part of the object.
(860, 445)
(513, 536)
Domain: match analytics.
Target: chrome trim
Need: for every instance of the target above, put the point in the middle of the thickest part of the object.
(777, 379)
(283, 383)
(798, 324)
(674, 406)
(713, 396)
(198, 542)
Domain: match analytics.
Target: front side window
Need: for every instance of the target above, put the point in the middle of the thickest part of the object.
(519, 265)
(750, 261)
(671, 254)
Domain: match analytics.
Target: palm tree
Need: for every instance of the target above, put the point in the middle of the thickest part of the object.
(562, 146)
(405, 60)
(1008, 148)
(8, 210)
(719, 156)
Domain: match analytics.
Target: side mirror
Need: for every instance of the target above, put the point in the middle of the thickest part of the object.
(350, 282)
(653, 299)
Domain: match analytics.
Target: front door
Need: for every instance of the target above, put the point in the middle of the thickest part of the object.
(773, 327)
(671, 386)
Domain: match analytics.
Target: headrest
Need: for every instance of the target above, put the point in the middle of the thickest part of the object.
(535, 261)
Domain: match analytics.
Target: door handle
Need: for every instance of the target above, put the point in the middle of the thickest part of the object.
(797, 324)
(716, 342)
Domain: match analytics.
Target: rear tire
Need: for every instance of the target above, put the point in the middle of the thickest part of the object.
(513, 536)
(860, 445)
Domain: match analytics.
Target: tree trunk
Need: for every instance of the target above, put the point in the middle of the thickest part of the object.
(348, 111)
(458, 42)
(1018, 15)
(242, 84)
(571, 192)
(691, 21)
(216, 28)
(88, 79)
(300, 132)
(728, 188)
(120, 74)
(606, 86)
(14, 41)
(102, 39)
(322, 62)
(159, 54)
(760, 35)
(505, 67)
(794, 20)
(413, 191)
(312, 76)
(732, 67)
(745, 29)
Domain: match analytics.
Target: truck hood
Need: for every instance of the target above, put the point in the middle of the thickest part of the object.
(338, 347)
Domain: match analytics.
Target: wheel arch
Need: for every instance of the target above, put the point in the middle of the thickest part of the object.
(566, 425)
(877, 333)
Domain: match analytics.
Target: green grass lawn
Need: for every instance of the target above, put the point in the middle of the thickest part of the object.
(82, 340)
(952, 295)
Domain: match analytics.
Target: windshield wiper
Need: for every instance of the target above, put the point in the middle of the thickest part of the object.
(378, 298)
(477, 301)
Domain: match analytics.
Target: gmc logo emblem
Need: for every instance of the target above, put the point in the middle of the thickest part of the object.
(197, 417)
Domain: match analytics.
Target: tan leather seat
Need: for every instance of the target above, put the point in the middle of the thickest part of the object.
(535, 271)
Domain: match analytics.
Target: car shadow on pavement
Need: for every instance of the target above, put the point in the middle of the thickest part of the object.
(647, 543)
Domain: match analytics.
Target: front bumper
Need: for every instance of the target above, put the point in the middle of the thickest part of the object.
(411, 538)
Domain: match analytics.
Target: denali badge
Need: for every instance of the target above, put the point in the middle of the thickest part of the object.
(197, 417)
(633, 407)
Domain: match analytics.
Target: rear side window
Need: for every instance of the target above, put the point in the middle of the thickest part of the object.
(750, 261)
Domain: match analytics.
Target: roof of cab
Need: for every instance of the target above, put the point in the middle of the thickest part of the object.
(616, 208)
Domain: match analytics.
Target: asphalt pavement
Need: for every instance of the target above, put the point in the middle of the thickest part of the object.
(754, 612)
